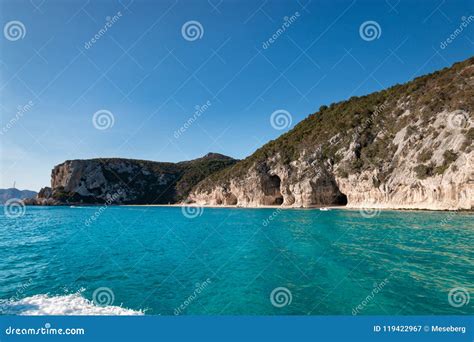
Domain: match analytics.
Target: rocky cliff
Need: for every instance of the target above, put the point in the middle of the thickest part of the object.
(127, 181)
(409, 146)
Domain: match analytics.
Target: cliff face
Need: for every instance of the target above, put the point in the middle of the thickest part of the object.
(410, 146)
(436, 172)
(127, 181)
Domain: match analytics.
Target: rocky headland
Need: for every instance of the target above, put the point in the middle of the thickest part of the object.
(407, 147)
(126, 181)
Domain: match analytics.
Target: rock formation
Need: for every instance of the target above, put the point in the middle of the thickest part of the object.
(409, 146)
(126, 181)
(14, 193)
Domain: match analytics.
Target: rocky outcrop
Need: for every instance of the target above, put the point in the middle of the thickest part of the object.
(410, 146)
(301, 183)
(14, 193)
(441, 185)
(126, 181)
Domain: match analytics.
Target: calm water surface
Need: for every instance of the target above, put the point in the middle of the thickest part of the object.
(155, 258)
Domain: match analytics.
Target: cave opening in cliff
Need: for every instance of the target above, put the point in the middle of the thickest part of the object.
(341, 199)
(274, 190)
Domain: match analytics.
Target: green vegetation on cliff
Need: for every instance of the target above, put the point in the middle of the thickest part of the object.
(129, 181)
(371, 122)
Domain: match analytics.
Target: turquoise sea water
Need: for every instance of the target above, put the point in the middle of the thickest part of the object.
(328, 262)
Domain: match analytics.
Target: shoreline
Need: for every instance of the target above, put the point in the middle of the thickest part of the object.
(313, 207)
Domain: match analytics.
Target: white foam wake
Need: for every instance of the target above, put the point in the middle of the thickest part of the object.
(73, 304)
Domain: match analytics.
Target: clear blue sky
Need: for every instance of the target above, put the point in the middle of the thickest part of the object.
(150, 78)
